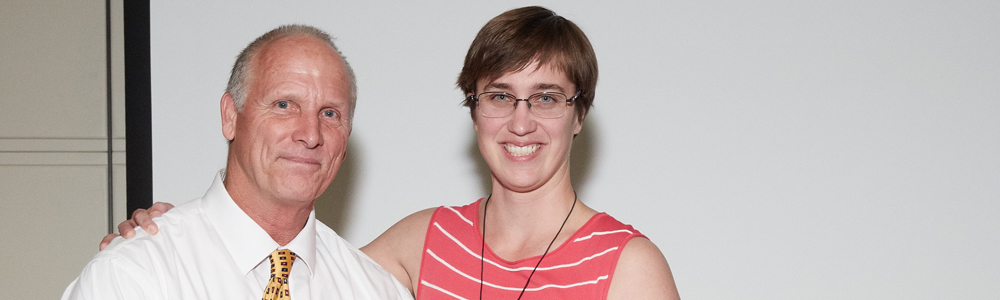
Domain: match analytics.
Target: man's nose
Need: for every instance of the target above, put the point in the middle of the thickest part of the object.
(308, 132)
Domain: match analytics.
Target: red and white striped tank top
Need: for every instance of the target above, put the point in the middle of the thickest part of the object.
(580, 268)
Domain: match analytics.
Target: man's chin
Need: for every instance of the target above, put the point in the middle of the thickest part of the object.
(300, 187)
(298, 197)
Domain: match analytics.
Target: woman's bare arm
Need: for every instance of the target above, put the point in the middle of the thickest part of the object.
(400, 248)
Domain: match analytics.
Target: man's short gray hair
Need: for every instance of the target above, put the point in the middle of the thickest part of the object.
(243, 68)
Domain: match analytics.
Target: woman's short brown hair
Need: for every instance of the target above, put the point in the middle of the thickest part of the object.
(516, 38)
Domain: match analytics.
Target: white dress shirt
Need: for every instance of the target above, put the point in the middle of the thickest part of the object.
(209, 248)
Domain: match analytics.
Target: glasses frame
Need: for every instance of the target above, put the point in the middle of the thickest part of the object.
(526, 100)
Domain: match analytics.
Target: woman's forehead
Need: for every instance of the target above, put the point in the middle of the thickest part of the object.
(546, 76)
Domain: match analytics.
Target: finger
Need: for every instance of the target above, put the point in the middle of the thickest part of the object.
(150, 227)
(159, 208)
(107, 240)
(142, 217)
(126, 228)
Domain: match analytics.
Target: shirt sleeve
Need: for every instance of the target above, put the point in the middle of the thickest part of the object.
(112, 277)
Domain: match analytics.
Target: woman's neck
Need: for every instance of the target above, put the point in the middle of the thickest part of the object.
(521, 224)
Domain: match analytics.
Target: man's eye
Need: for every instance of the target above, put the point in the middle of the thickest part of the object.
(545, 99)
(329, 113)
(500, 97)
(282, 104)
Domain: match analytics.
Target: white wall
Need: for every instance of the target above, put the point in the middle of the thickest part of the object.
(774, 150)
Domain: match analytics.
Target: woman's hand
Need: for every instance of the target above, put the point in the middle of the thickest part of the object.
(140, 217)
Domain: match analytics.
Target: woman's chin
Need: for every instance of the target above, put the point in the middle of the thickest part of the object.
(521, 183)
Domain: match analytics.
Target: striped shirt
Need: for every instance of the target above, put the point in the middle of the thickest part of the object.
(580, 268)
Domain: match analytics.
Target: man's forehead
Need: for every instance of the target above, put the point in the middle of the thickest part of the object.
(298, 46)
(310, 55)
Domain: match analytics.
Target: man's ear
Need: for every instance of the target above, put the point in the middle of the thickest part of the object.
(229, 113)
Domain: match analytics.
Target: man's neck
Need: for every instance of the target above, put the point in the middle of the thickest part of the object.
(282, 223)
(282, 220)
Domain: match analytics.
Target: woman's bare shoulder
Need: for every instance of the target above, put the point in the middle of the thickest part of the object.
(642, 273)
(405, 232)
(398, 249)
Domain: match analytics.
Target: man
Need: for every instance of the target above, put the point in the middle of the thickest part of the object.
(287, 114)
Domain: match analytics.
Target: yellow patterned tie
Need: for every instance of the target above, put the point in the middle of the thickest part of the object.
(281, 265)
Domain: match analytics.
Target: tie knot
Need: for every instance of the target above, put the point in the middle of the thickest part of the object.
(281, 262)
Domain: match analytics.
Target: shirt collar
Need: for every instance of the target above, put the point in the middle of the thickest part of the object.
(246, 241)
(304, 244)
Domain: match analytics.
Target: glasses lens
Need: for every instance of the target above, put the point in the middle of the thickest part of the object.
(548, 105)
(543, 105)
(495, 104)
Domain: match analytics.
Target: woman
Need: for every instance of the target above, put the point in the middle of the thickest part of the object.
(532, 215)
(529, 80)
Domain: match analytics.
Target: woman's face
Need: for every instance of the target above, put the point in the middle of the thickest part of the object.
(524, 151)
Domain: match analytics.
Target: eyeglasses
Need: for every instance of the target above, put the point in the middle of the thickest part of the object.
(544, 105)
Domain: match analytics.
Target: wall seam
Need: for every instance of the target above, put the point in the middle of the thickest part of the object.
(110, 149)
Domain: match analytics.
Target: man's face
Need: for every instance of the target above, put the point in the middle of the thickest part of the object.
(291, 136)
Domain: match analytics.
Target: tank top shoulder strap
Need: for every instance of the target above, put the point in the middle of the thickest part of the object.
(457, 214)
(604, 232)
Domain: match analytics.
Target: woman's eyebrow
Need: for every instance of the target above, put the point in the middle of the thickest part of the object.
(549, 86)
(498, 86)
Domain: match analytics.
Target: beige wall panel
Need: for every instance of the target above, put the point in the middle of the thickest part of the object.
(52, 71)
(53, 138)
(117, 71)
(52, 145)
(118, 214)
(53, 219)
(53, 159)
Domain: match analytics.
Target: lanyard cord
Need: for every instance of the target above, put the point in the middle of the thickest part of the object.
(482, 250)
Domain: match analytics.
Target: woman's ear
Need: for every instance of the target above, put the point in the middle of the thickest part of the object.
(578, 124)
(475, 125)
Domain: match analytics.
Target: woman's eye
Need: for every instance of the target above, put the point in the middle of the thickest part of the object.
(329, 113)
(282, 104)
